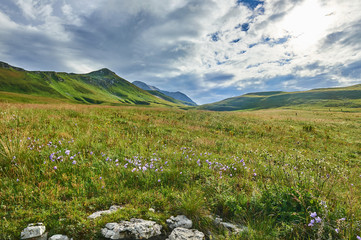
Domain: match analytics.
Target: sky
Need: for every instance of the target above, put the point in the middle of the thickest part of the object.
(207, 49)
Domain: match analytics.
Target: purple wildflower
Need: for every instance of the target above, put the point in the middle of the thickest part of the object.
(17, 179)
(74, 162)
(336, 230)
(100, 178)
(342, 219)
(55, 167)
(313, 215)
(311, 223)
(67, 152)
(158, 180)
(318, 219)
(358, 237)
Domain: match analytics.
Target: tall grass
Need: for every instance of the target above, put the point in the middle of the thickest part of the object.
(267, 170)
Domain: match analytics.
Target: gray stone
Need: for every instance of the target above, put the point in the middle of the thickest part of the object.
(132, 229)
(235, 229)
(179, 221)
(59, 237)
(100, 213)
(34, 231)
(186, 234)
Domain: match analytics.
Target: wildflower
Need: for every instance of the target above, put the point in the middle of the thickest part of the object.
(100, 178)
(180, 172)
(91, 153)
(74, 162)
(336, 230)
(17, 179)
(158, 180)
(55, 167)
(358, 237)
(318, 219)
(14, 157)
(67, 152)
(72, 157)
(313, 215)
(254, 174)
(342, 219)
(311, 223)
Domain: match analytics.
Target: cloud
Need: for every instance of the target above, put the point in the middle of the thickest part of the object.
(210, 50)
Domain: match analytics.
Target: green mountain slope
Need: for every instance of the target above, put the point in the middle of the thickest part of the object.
(327, 97)
(99, 87)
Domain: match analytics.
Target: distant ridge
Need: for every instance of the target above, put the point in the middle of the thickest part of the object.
(349, 97)
(176, 95)
(98, 87)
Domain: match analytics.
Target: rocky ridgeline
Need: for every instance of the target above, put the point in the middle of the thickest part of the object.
(135, 228)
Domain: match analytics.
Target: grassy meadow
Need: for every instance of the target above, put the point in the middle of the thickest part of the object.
(269, 170)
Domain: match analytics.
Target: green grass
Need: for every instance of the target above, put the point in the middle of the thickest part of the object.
(267, 170)
(347, 97)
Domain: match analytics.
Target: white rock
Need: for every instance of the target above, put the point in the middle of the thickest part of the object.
(233, 228)
(59, 237)
(36, 231)
(179, 221)
(99, 213)
(186, 234)
(133, 229)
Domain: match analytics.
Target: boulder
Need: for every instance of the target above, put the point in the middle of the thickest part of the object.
(59, 237)
(186, 234)
(179, 221)
(34, 231)
(132, 229)
(99, 213)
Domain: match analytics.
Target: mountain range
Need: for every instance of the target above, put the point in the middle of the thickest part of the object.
(105, 87)
(176, 95)
(98, 87)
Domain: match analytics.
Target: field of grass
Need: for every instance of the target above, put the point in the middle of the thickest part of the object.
(267, 170)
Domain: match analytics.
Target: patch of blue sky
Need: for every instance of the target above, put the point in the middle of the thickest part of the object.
(252, 4)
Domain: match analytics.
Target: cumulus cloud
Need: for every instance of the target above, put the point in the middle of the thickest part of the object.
(210, 50)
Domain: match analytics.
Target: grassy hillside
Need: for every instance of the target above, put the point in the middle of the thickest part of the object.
(267, 170)
(328, 97)
(99, 87)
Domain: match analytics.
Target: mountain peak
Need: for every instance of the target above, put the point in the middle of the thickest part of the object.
(8, 66)
(103, 72)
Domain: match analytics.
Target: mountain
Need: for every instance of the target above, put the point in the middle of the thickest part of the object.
(324, 97)
(98, 87)
(176, 95)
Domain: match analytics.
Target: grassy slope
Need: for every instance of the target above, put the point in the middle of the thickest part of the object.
(330, 97)
(265, 169)
(99, 87)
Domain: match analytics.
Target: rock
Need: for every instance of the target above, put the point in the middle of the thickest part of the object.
(133, 229)
(179, 221)
(59, 237)
(34, 231)
(235, 229)
(186, 234)
(99, 213)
